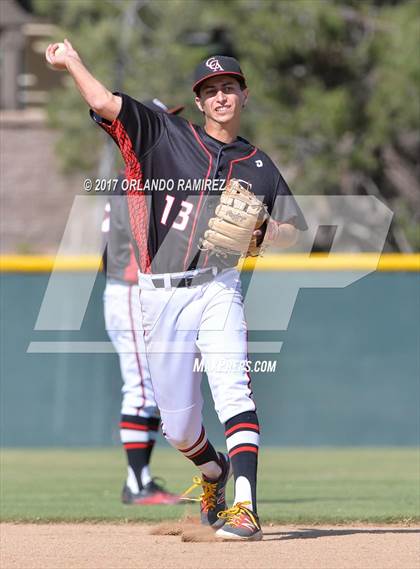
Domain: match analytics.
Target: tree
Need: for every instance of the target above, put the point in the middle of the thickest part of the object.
(334, 84)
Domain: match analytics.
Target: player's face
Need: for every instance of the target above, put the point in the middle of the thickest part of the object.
(221, 99)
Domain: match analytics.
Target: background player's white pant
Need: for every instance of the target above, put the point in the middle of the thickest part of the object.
(182, 323)
(124, 327)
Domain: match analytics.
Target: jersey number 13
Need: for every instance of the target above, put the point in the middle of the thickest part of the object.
(181, 221)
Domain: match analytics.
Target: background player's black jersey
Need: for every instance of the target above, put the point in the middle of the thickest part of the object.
(177, 172)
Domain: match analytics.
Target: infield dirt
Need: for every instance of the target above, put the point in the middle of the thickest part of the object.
(126, 546)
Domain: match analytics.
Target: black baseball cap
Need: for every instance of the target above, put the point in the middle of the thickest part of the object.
(157, 105)
(217, 65)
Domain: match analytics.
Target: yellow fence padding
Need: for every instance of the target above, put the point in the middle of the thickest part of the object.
(277, 262)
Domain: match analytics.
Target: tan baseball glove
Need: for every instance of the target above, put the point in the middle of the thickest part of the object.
(238, 215)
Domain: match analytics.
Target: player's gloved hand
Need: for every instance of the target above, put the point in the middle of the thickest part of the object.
(57, 54)
(238, 217)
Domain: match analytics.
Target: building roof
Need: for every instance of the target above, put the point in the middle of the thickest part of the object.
(13, 15)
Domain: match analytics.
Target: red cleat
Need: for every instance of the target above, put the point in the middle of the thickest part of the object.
(152, 494)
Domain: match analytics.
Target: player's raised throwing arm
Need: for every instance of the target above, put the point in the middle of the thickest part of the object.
(97, 96)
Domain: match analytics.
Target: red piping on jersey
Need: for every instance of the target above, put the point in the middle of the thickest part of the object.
(130, 271)
(200, 142)
(249, 384)
(232, 162)
(133, 333)
(138, 216)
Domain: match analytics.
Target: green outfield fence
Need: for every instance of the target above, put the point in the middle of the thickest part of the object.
(347, 372)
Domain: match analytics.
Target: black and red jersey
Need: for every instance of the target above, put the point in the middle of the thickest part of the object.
(175, 173)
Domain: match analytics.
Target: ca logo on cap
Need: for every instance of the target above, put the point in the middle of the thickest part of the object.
(214, 64)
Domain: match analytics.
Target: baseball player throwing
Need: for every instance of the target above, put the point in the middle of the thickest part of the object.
(201, 197)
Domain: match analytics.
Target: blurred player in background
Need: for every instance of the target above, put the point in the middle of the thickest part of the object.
(139, 413)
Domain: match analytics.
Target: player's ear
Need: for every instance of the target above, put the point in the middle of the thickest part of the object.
(245, 94)
(199, 105)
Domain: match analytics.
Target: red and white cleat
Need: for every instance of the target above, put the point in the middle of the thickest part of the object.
(241, 524)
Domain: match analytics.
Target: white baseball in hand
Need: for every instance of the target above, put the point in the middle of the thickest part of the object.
(57, 53)
(61, 49)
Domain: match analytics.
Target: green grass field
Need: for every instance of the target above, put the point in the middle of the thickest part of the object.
(304, 485)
